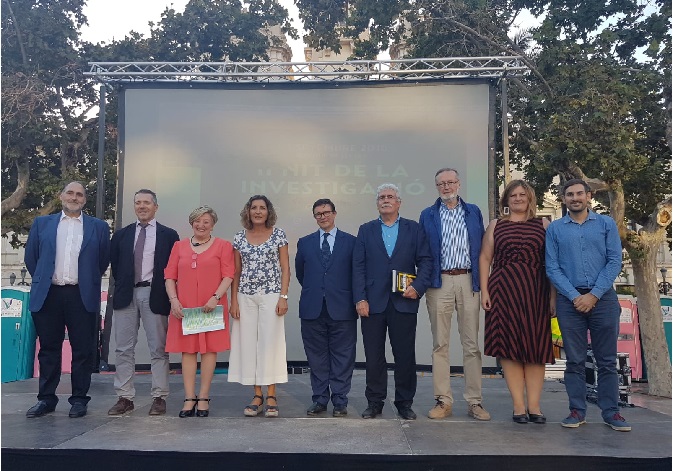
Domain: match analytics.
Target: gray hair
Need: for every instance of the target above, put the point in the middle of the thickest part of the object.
(388, 186)
(70, 183)
(447, 169)
(200, 211)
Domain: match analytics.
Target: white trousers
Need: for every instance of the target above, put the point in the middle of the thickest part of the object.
(258, 355)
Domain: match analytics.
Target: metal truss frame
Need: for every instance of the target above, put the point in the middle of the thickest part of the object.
(329, 71)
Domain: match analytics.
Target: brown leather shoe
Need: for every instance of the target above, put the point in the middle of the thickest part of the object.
(158, 406)
(122, 406)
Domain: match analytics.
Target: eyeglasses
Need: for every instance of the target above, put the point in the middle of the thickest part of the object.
(446, 184)
(322, 215)
(194, 255)
(386, 197)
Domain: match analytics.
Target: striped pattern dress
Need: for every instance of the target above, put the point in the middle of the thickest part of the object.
(518, 326)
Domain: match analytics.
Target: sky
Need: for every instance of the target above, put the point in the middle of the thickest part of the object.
(113, 19)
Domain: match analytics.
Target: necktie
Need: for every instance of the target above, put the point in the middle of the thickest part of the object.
(138, 253)
(325, 249)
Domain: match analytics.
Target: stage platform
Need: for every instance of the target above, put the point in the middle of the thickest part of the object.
(228, 440)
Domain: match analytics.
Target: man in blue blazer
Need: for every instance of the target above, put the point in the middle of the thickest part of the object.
(138, 255)
(383, 245)
(324, 267)
(66, 256)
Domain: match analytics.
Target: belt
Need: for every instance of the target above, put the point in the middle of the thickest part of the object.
(457, 271)
(142, 284)
(583, 290)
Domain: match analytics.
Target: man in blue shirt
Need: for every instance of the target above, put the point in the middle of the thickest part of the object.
(385, 244)
(583, 258)
(454, 229)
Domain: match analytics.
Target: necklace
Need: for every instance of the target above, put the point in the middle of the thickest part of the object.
(196, 244)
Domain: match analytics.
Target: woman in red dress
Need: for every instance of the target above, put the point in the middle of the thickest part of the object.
(199, 273)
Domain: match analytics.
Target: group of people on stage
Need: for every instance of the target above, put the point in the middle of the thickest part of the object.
(521, 270)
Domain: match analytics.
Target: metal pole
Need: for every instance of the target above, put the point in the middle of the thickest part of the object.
(505, 127)
(100, 183)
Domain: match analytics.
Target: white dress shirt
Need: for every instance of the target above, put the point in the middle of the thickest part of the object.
(69, 236)
(148, 252)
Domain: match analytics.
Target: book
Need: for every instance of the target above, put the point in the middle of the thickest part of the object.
(196, 321)
(401, 280)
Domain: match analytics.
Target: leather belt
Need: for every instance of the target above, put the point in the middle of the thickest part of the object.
(142, 284)
(457, 271)
(583, 290)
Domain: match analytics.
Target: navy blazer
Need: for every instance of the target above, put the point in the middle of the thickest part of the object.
(94, 256)
(123, 271)
(333, 283)
(372, 267)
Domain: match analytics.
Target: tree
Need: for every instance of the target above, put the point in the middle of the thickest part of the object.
(49, 135)
(596, 105)
(46, 134)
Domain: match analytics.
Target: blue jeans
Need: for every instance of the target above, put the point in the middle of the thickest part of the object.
(603, 325)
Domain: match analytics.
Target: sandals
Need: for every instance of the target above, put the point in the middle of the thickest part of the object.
(200, 412)
(189, 412)
(269, 410)
(252, 410)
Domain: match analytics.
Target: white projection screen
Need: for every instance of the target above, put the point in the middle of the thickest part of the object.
(296, 143)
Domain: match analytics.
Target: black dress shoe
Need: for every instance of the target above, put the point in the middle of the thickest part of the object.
(77, 410)
(406, 413)
(39, 409)
(537, 418)
(520, 418)
(341, 411)
(315, 409)
(372, 411)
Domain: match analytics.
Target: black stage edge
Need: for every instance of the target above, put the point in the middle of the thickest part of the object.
(114, 460)
(226, 440)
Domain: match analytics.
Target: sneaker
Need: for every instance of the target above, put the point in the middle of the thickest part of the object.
(617, 422)
(440, 411)
(478, 412)
(574, 420)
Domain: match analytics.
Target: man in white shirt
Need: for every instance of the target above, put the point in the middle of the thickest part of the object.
(66, 255)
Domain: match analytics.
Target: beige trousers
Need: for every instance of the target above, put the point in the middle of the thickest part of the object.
(455, 295)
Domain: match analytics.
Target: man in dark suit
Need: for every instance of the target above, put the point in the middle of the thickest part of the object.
(324, 267)
(138, 254)
(66, 256)
(383, 245)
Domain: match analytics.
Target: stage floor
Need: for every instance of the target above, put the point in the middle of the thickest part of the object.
(228, 431)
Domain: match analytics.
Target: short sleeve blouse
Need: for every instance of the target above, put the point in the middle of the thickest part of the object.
(260, 264)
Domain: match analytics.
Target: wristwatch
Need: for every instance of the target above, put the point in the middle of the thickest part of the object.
(217, 297)
(284, 296)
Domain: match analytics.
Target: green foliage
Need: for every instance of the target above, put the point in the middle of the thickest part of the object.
(47, 131)
(597, 102)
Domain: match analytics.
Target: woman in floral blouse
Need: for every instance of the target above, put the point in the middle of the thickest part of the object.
(258, 304)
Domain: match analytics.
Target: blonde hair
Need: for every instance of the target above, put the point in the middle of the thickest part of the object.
(530, 193)
(200, 211)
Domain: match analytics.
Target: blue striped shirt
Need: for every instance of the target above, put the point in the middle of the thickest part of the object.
(455, 241)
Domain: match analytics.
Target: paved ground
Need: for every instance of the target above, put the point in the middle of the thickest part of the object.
(227, 430)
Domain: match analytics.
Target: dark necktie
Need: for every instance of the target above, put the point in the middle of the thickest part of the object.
(325, 249)
(138, 253)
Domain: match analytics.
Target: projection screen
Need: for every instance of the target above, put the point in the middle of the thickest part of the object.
(296, 143)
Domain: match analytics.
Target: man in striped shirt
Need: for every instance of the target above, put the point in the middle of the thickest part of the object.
(454, 230)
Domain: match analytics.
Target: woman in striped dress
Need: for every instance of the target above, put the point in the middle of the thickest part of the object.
(517, 298)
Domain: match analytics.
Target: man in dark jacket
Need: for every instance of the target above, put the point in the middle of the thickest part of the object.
(385, 244)
(138, 254)
(454, 229)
